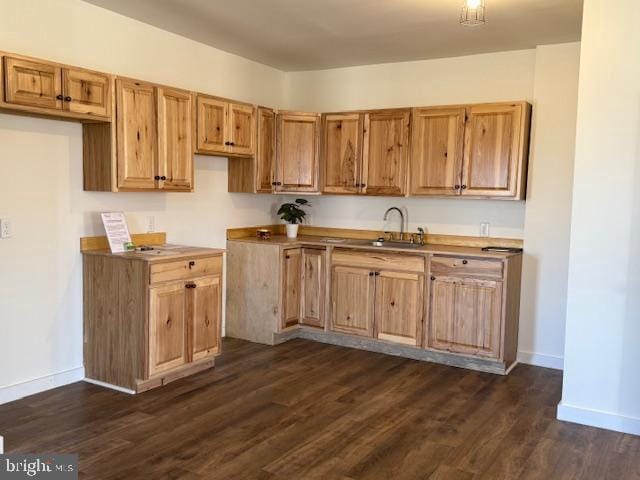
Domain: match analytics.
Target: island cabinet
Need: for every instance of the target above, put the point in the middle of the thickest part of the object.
(366, 152)
(297, 152)
(149, 320)
(470, 151)
(378, 295)
(225, 127)
(151, 146)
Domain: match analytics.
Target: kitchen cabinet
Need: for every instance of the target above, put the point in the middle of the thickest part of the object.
(385, 152)
(297, 152)
(152, 141)
(378, 295)
(51, 86)
(466, 306)
(313, 285)
(266, 150)
(291, 291)
(225, 127)
(352, 300)
(342, 152)
(170, 326)
(471, 151)
(437, 141)
(496, 147)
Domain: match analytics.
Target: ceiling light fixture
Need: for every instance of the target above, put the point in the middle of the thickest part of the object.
(472, 13)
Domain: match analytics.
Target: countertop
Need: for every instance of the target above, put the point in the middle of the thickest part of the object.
(161, 253)
(313, 240)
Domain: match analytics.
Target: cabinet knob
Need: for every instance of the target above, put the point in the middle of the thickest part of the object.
(377, 274)
(192, 264)
(163, 177)
(371, 274)
(67, 99)
(464, 187)
(227, 143)
(362, 185)
(59, 97)
(190, 285)
(287, 256)
(456, 187)
(232, 144)
(464, 262)
(433, 278)
(157, 177)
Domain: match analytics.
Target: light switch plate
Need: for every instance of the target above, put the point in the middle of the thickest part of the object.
(151, 224)
(5, 228)
(484, 229)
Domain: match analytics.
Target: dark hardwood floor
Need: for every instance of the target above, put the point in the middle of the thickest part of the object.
(307, 410)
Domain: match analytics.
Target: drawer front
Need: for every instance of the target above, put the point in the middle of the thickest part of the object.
(466, 267)
(184, 269)
(379, 261)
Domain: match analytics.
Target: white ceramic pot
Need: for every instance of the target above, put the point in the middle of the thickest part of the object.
(292, 230)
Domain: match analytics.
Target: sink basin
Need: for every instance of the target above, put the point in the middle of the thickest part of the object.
(392, 244)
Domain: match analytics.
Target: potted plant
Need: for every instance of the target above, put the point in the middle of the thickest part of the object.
(293, 214)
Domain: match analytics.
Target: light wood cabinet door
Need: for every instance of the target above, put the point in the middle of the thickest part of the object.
(437, 136)
(465, 315)
(167, 327)
(212, 125)
(297, 152)
(87, 92)
(399, 307)
(352, 299)
(204, 312)
(266, 150)
(30, 83)
(242, 129)
(136, 135)
(386, 152)
(291, 291)
(175, 144)
(342, 153)
(493, 159)
(313, 282)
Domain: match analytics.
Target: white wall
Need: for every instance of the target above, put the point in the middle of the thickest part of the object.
(41, 168)
(601, 378)
(547, 77)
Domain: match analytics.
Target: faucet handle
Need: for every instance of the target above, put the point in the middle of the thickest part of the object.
(421, 230)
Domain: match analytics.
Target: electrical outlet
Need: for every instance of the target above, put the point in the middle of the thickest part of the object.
(5, 228)
(151, 224)
(484, 229)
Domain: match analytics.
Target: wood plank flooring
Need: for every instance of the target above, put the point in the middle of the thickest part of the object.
(305, 410)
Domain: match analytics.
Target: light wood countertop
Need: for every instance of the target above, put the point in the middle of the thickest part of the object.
(167, 253)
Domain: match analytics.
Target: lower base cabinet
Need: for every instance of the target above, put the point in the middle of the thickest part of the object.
(399, 307)
(147, 323)
(352, 300)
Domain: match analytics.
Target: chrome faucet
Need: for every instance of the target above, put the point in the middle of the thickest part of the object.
(386, 216)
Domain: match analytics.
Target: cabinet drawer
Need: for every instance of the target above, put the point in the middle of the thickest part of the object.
(466, 267)
(379, 261)
(183, 269)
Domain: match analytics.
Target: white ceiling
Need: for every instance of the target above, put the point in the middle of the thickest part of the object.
(317, 34)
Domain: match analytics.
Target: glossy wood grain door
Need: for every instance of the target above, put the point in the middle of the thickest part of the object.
(352, 299)
(167, 327)
(266, 150)
(242, 129)
(204, 313)
(399, 307)
(29, 83)
(291, 273)
(342, 152)
(297, 152)
(175, 143)
(212, 124)
(437, 136)
(137, 135)
(313, 283)
(493, 160)
(87, 92)
(465, 315)
(386, 152)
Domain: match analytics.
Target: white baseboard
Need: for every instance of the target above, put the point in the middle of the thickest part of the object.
(109, 385)
(37, 385)
(599, 419)
(541, 360)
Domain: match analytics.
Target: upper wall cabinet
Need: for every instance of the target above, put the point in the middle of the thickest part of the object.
(151, 147)
(297, 152)
(49, 86)
(342, 152)
(386, 152)
(224, 127)
(474, 151)
(266, 150)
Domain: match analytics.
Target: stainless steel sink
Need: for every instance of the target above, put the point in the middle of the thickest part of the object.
(392, 244)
